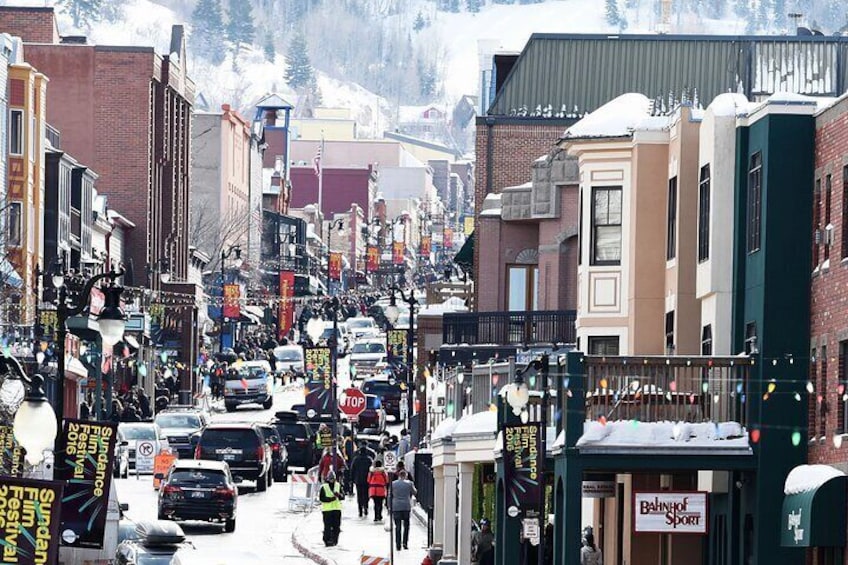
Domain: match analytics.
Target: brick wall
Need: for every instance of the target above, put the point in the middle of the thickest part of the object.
(829, 293)
(33, 25)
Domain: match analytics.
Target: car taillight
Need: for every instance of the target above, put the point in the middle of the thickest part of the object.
(223, 492)
(197, 452)
(171, 490)
(275, 447)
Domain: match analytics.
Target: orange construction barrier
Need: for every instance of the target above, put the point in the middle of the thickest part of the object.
(161, 463)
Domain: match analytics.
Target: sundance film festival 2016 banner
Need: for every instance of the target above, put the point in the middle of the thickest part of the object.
(372, 262)
(286, 311)
(232, 292)
(396, 345)
(319, 381)
(12, 455)
(447, 239)
(335, 266)
(426, 246)
(29, 514)
(84, 464)
(398, 249)
(522, 465)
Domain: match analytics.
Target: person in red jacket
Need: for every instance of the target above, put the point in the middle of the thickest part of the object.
(378, 482)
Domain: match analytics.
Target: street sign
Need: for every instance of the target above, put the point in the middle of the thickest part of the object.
(352, 402)
(530, 530)
(390, 461)
(145, 451)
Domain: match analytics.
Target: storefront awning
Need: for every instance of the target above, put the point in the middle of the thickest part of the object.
(465, 256)
(253, 314)
(814, 507)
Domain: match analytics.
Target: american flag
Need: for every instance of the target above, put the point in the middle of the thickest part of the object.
(316, 161)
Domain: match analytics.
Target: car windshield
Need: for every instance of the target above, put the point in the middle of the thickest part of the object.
(328, 333)
(289, 355)
(379, 388)
(372, 347)
(360, 323)
(235, 438)
(372, 403)
(138, 432)
(297, 431)
(249, 373)
(198, 478)
(178, 421)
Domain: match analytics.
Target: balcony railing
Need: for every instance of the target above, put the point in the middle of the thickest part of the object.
(515, 328)
(677, 389)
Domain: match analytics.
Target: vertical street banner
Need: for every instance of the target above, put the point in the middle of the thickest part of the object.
(522, 464)
(398, 248)
(372, 259)
(286, 309)
(447, 239)
(426, 246)
(29, 513)
(231, 301)
(396, 346)
(12, 455)
(335, 266)
(319, 381)
(84, 465)
(468, 225)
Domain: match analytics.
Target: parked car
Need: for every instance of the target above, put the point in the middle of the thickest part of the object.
(298, 438)
(199, 490)
(279, 453)
(388, 390)
(362, 327)
(135, 432)
(178, 425)
(156, 544)
(373, 418)
(367, 357)
(242, 447)
(343, 342)
(252, 383)
(289, 359)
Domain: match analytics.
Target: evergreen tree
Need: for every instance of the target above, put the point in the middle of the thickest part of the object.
(208, 29)
(240, 30)
(419, 23)
(299, 71)
(453, 6)
(473, 5)
(780, 15)
(612, 14)
(268, 47)
(763, 11)
(83, 12)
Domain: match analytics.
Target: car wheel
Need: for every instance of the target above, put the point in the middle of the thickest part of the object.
(268, 403)
(161, 516)
(285, 477)
(126, 473)
(270, 475)
(262, 483)
(230, 407)
(116, 472)
(230, 525)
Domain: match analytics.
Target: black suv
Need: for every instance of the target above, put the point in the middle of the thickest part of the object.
(279, 453)
(388, 390)
(298, 438)
(242, 447)
(178, 424)
(199, 490)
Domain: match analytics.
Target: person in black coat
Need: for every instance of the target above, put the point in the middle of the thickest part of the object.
(359, 468)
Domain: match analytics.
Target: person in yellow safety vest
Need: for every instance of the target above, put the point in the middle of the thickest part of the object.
(331, 498)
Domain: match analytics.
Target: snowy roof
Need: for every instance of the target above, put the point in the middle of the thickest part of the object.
(679, 435)
(444, 429)
(804, 478)
(616, 118)
(452, 304)
(481, 423)
(273, 100)
(728, 105)
(415, 113)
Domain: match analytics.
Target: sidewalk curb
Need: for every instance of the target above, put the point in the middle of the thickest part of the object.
(420, 515)
(306, 552)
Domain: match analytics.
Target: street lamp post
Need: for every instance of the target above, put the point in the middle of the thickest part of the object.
(337, 225)
(392, 315)
(35, 422)
(224, 256)
(111, 321)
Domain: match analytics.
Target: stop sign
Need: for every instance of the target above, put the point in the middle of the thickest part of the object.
(352, 402)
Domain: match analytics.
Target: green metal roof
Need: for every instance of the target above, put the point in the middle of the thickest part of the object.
(572, 74)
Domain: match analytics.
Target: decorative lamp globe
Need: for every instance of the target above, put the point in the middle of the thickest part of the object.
(111, 320)
(315, 329)
(392, 313)
(517, 395)
(460, 377)
(165, 277)
(35, 425)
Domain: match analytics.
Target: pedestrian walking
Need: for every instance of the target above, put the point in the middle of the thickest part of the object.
(483, 544)
(377, 483)
(589, 554)
(331, 508)
(404, 444)
(331, 463)
(359, 469)
(401, 500)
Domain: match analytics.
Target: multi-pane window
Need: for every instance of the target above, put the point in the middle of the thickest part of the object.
(523, 290)
(669, 332)
(751, 338)
(671, 220)
(16, 132)
(755, 202)
(14, 224)
(817, 205)
(827, 227)
(845, 211)
(704, 214)
(707, 340)
(821, 398)
(606, 225)
(603, 345)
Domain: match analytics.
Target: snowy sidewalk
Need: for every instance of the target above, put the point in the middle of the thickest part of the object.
(359, 536)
